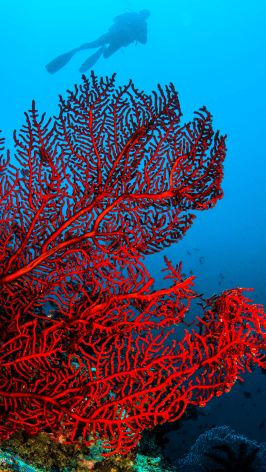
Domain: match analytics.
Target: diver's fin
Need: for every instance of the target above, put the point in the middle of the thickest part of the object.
(60, 61)
(91, 60)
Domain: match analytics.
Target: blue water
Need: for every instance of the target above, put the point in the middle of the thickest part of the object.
(214, 53)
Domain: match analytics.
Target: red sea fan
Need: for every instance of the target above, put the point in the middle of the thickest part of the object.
(112, 368)
(87, 350)
(114, 171)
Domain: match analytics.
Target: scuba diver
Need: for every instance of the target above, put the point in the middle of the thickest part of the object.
(126, 29)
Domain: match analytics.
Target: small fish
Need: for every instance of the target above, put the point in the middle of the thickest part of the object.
(220, 278)
(262, 423)
(247, 394)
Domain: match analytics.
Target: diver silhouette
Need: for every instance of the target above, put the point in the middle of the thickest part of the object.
(126, 29)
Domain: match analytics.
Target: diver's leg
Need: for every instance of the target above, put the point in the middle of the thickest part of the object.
(101, 41)
(111, 49)
(91, 61)
(63, 59)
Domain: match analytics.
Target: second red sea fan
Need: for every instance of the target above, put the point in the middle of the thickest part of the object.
(87, 350)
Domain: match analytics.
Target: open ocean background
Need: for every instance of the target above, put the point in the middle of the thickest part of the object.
(214, 53)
